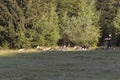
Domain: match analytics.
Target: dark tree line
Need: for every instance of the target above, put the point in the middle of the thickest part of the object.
(29, 23)
(109, 20)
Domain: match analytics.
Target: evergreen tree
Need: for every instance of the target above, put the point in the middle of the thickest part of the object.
(117, 28)
(46, 24)
(28, 23)
(117, 19)
(81, 28)
(109, 10)
(13, 22)
(89, 17)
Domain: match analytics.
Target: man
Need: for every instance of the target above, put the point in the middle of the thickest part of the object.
(109, 41)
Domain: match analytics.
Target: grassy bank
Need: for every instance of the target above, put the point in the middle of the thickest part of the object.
(60, 65)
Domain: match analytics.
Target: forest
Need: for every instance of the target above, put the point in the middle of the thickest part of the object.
(31, 23)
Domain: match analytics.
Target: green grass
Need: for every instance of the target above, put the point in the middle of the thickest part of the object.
(59, 65)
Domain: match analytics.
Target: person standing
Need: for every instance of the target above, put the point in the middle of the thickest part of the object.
(109, 41)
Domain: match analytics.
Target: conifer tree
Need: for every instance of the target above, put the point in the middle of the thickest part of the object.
(82, 27)
(46, 24)
(109, 10)
(13, 22)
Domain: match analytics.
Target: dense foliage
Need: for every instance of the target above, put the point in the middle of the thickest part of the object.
(109, 10)
(29, 23)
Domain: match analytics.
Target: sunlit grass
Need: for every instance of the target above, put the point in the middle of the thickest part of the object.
(6, 52)
(11, 52)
